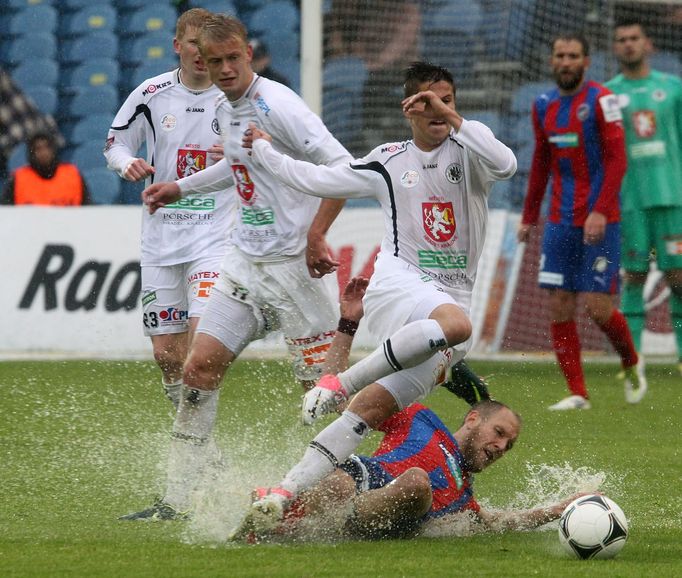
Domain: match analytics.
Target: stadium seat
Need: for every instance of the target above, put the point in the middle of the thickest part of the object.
(219, 6)
(44, 97)
(88, 155)
(491, 119)
(666, 62)
(91, 100)
(274, 18)
(83, 48)
(153, 17)
(343, 82)
(155, 46)
(283, 46)
(104, 185)
(17, 158)
(91, 18)
(39, 17)
(15, 5)
(41, 72)
(454, 15)
(150, 69)
(29, 47)
(96, 72)
(71, 5)
(128, 4)
(90, 128)
(131, 192)
(524, 96)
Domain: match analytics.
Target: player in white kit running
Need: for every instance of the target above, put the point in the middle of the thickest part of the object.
(183, 244)
(433, 192)
(265, 282)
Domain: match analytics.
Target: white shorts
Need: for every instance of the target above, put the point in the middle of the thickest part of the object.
(172, 294)
(280, 295)
(399, 293)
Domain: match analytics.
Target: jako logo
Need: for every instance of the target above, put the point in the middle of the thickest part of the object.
(81, 289)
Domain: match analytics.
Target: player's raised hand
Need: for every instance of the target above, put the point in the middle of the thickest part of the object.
(426, 104)
(137, 170)
(159, 195)
(318, 257)
(351, 299)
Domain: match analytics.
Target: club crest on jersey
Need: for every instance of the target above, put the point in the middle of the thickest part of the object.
(454, 173)
(644, 123)
(215, 127)
(190, 162)
(245, 186)
(583, 112)
(168, 122)
(439, 221)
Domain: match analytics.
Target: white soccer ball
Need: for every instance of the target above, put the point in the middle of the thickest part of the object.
(593, 527)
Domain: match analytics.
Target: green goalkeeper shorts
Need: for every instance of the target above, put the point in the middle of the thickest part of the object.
(657, 230)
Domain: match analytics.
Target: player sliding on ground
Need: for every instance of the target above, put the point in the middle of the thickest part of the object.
(418, 300)
(420, 471)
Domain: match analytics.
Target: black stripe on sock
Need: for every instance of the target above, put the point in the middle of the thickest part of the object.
(325, 452)
(388, 353)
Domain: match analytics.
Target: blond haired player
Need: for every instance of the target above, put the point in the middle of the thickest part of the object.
(183, 244)
(265, 281)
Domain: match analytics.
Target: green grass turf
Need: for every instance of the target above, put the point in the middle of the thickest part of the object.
(83, 442)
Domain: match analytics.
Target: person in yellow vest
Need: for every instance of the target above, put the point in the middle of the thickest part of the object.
(45, 180)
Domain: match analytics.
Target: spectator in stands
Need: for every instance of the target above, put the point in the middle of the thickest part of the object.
(19, 118)
(261, 63)
(651, 102)
(45, 180)
(579, 140)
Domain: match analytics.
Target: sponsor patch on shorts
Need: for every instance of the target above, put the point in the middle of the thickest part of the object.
(148, 298)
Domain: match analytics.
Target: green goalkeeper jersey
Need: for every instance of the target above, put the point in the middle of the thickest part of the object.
(652, 117)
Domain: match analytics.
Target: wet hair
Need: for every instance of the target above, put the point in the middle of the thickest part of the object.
(192, 18)
(489, 407)
(569, 36)
(418, 73)
(222, 27)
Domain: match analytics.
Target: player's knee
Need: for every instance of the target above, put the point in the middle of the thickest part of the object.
(459, 331)
(168, 359)
(203, 372)
(417, 487)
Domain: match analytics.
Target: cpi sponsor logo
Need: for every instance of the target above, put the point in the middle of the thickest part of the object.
(173, 315)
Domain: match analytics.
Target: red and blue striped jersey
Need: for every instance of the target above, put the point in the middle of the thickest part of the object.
(416, 437)
(580, 142)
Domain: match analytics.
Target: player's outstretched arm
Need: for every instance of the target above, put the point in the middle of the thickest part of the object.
(524, 520)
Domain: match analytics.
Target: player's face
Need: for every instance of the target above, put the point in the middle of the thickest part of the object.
(429, 130)
(568, 64)
(488, 439)
(187, 48)
(631, 46)
(229, 65)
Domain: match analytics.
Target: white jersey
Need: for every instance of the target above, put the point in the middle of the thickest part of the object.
(273, 219)
(434, 203)
(178, 126)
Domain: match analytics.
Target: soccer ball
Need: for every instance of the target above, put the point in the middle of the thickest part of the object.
(593, 527)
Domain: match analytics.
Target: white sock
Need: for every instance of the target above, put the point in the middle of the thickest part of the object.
(173, 391)
(407, 347)
(331, 447)
(187, 455)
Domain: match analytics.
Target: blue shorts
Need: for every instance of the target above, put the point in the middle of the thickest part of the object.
(367, 473)
(568, 263)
